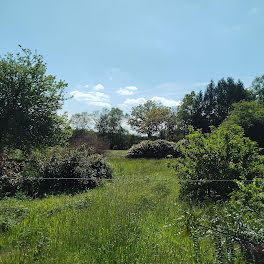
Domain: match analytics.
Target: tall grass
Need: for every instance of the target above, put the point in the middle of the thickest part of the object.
(132, 219)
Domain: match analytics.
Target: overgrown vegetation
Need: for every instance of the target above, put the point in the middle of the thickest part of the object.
(29, 100)
(154, 149)
(234, 227)
(59, 170)
(137, 217)
(209, 209)
(212, 162)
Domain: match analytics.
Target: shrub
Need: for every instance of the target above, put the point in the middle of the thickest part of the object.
(10, 175)
(235, 227)
(153, 149)
(241, 220)
(211, 162)
(250, 116)
(65, 170)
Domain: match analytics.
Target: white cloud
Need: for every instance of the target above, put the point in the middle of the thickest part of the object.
(166, 102)
(98, 87)
(141, 100)
(86, 85)
(92, 98)
(253, 11)
(128, 90)
(130, 102)
(102, 104)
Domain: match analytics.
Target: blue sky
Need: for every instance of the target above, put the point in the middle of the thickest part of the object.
(124, 52)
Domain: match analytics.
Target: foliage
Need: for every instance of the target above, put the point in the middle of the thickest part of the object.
(234, 227)
(82, 121)
(250, 116)
(153, 149)
(171, 130)
(109, 125)
(29, 100)
(90, 139)
(65, 170)
(10, 175)
(258, 88)
(211, 162)
(127, 221)
(58, 170)
(203, 110)
(149, 118)
(135, 219)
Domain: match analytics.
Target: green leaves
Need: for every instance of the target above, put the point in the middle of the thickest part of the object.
(250, 116)
(212, 162)
(29, 100)
(149, 118)
(204, 109)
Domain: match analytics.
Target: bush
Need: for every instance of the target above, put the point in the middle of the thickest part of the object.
(65, 171)
(10, 175)
(153, 149)
(235, 227)
(242, 220)
(250, 116)
(211, 162)
(58, 170)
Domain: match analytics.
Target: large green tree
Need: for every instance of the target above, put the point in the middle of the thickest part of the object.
(82, 120)
(250, 116)
(149, 118)
(204, 109)
(29, 100)
(109, 125)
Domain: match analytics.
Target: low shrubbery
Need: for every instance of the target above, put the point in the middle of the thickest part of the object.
(10, 175)
(211, 162)
(235, 227)
(153, 149)
(59, 170)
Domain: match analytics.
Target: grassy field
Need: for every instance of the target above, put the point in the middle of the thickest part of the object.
(132, 219)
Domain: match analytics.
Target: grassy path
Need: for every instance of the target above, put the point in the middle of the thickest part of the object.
(132, 219)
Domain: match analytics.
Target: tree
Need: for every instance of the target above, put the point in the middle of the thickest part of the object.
(149, 118)
(250, 116)
(203, 110)
(109, 125)
(258, 87)
(190, 113)
(29, 100)
(81, 120)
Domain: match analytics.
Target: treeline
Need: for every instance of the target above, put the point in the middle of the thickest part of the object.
(225, 102)
(30, 99)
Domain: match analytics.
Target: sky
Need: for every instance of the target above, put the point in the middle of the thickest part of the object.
(119, 53)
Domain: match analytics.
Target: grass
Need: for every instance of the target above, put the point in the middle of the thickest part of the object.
(132, 219)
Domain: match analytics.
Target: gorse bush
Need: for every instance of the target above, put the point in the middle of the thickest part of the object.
(153, 149)
(59, 170)
(211, 162)
(66, 171)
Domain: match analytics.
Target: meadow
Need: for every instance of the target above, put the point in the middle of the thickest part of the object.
(134, 218)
